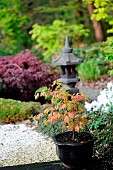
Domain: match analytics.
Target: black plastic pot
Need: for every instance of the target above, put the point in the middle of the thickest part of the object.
(74, 155)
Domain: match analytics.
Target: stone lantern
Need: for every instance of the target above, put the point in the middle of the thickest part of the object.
(67, 60)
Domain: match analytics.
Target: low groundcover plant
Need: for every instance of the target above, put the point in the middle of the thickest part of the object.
(100, 112)
(66, 110)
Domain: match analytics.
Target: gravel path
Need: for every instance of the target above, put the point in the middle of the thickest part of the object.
(21, 144)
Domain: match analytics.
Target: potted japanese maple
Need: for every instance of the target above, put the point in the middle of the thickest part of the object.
(75, 146)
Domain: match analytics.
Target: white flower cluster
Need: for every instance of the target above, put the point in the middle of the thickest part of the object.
(104, 100)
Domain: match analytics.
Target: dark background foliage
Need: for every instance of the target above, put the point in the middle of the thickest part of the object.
(17, 18)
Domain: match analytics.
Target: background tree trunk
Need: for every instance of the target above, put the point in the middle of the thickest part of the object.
(96, 25)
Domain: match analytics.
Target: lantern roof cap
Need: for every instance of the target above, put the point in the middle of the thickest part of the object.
(67, 48)
(67, 57)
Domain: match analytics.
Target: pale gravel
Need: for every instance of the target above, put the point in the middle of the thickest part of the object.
(22, 144)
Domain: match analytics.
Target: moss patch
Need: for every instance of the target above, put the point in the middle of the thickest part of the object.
(14, 110)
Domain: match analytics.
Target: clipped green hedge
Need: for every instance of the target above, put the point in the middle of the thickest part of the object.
(13, 110)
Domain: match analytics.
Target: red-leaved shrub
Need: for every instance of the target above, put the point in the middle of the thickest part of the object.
(23, 74)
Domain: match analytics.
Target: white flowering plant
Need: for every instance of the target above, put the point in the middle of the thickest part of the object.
(100, 113)
(104, 100)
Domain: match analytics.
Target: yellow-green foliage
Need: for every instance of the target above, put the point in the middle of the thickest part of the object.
(103, 11)
(50, 38)
(108, 52)
(12, 27)
(13, 110)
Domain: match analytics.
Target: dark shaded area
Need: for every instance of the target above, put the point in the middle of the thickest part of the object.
(79, 138)
(95, 164)
(75, 152)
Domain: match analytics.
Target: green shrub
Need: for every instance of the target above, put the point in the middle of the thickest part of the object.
(100, 113)
(89, 70)
(102, 127)
(93, 65)
(13, 110)
(108, 52)
(50, 38)
(90, 51)
(49, 129)
(13, 21)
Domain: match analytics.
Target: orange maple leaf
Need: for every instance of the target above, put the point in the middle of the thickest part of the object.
(77, 128)
(66, 119)
(71, 115)
(52, 120)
